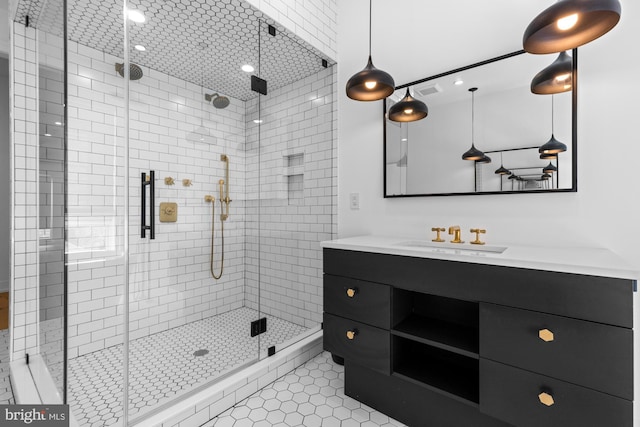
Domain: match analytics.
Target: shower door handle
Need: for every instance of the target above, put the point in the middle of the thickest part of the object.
(152, 196)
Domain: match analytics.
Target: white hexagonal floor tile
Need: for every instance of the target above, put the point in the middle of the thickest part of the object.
(311, 396)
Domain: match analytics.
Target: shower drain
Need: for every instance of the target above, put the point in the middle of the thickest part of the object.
(201, 352)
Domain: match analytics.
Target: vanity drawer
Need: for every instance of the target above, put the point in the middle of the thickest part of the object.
(365, 302)
(513, 395)
(585, 353)
(369, 347)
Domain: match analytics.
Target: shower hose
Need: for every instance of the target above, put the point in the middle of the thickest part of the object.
(213, 227)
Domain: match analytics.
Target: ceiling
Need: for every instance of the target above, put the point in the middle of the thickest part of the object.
(199, 41)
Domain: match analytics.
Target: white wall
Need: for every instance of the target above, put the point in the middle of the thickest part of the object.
(605, 210)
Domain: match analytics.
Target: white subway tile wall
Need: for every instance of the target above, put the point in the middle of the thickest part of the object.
(170, 280)
(314, 21)
(170, 276)
(295, 135)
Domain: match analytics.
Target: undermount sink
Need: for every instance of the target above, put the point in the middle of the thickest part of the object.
(452, 248)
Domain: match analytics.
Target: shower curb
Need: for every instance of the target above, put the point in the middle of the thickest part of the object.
(212, 401)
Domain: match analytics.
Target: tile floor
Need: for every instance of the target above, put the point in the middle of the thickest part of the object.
(163, 365)
(310, 396)
(6, 392)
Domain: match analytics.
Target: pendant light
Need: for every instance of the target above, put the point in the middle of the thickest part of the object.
(472, 153)
(553, 146)
(556, 78)
(548, 156)
(550, 168)
(370, 84)
(408, 109)
(502, 170)
(570, 23)
(484, 159)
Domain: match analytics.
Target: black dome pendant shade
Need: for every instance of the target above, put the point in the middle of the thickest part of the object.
(502, 170)
(550, 168)
(552, 146)
(370, 84)
(408, 109)
(556, 78)
(484, 159)
(570, 23)
(472, 153)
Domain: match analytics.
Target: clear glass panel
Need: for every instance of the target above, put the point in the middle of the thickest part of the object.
(50, 108)
(295, 164)
(95, 212)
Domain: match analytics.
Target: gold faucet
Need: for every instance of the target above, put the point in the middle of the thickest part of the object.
(478, 231)
(455, 230)
(438, 230)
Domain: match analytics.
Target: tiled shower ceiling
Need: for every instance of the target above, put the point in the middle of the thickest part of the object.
(193, 40)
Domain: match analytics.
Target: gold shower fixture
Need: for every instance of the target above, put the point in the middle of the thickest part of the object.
(224, 215)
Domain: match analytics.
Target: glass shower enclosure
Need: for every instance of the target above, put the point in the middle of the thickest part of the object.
(185, 179)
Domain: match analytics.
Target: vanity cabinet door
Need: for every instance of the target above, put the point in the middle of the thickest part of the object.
(365, 302)
(358, 343)
(516, 396)
(585, 353)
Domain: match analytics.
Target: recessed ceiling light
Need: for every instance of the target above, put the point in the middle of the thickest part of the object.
(58, 123)
(247, 68)
(404, 139)
(136, 16)
(257, 121)
(47, 134)
(458, 81)
(140, 48)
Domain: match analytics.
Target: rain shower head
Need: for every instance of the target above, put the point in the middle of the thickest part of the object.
(135, 72)
(218, 101)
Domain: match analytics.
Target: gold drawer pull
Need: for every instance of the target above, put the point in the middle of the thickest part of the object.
(352, 334)
(546, 399)
(351, 292)
(545, 335)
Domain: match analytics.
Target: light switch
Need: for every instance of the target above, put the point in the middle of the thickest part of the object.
(354, 201)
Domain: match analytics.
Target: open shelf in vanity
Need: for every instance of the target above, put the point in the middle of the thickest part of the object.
(456, 343)
(439, 370)
(447, 323)
(435, 343)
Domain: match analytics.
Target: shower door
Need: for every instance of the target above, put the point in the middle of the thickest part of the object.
(291, 125)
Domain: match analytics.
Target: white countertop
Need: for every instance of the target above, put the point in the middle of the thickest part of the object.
(579, 260)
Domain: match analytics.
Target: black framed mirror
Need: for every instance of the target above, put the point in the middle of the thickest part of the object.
(508, 123)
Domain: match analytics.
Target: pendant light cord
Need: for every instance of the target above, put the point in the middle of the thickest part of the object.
(473, 119)
(370, 4)
(552, 115)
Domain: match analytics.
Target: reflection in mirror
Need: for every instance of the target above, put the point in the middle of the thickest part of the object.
(511, 123)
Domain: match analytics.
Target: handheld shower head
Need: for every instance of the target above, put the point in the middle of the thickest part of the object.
(218, 101)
